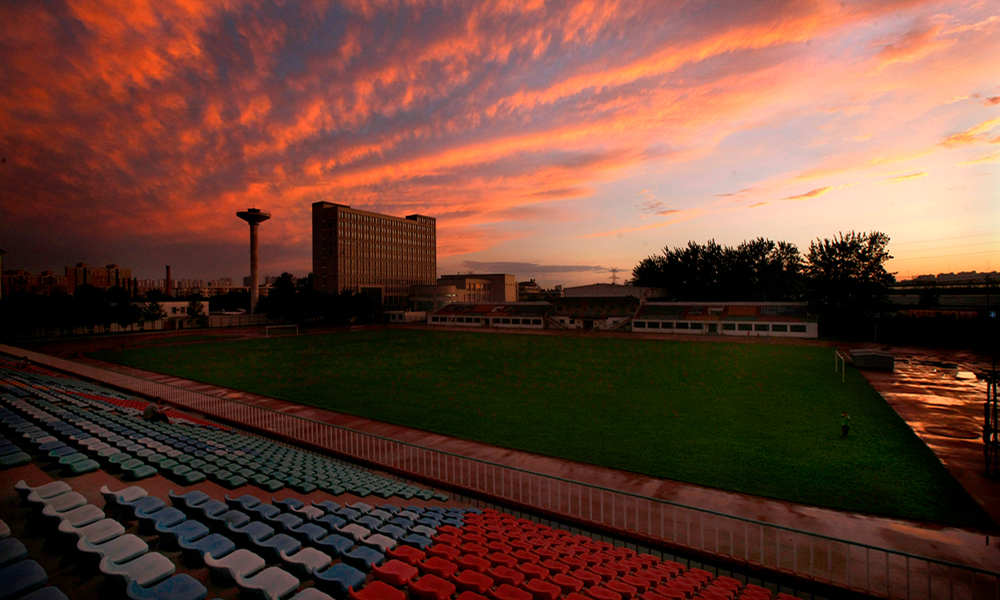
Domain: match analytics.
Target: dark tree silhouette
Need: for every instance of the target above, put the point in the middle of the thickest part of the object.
(848, 280)
(756, 270)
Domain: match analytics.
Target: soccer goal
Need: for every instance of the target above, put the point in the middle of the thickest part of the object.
(840, 364)
(277, 329)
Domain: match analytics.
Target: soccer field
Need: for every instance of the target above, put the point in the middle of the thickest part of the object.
(762, 419)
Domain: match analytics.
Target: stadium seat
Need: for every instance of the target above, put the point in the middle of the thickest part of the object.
(122, 497)
(508, 592)
(145, 570)
(377, 590)
(305, 561)
(78, 517)
(272, 547)
(431, 587)
(272, 583)
(339, 579)
(120, 549)
(188, 531)
(11, 551)
(20, 578)
(97, 532)
(46, 490)
(213, 544)
(178, 587)
(473, 581)
(239, 562)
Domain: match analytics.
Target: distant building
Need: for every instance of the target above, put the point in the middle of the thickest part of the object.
(775, 319)
(17, 280)
(610, 290)
(497, 287)
(463, 289)
(526, 290)
(369, 253)
(103, 278)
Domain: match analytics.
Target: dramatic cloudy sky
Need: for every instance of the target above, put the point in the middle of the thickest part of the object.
(554, 140)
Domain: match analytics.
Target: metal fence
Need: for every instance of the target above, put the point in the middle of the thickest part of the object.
(841, 563)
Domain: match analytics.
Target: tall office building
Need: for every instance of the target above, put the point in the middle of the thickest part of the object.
(368, 253)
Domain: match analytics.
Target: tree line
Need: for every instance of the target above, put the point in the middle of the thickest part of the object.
(843, 279)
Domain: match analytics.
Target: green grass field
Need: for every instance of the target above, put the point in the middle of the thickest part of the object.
(756, 418)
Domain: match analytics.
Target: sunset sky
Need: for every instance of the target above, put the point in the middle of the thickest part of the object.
(552, 140)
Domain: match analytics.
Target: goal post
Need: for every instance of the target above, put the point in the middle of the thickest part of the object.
(840, 364)
(268, 328)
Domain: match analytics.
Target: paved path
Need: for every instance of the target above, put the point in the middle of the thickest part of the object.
(923, 384)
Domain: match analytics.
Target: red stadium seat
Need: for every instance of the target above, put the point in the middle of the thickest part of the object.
(495, 546)
(467, 595)
(566, 582)
(477, 549)
(523, 556)
(447, 538)
(604, 572)
(395, 572)
(544, 553)
(431, 587)
(498, 558)
(443, 551)
(637, 582)
(532, 570)
(586, 577)
(626, 591)
(473, 581)
(508, 592)
(573, 562)
(502, 574)
(600, 593)
(436, 565)
(554, 566)
(473, 562)
(541, 589)
(376, 590)
(407, 554)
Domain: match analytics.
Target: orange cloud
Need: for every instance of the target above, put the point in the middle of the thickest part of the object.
(906, 177)
(810, 194)
(973, 135)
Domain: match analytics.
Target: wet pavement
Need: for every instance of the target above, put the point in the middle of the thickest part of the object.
(930, 389)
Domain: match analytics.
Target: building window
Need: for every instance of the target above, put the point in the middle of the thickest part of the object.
(781, 328)
(654, 325)
(743, 326)
(640, 324)
(681, 325)
(798, 328)
(729, 326)
(760, 327)
(695, 325)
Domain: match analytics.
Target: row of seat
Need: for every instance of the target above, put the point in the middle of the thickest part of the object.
(21, 577)
(246, 459)
(11, 454)
(298, 539)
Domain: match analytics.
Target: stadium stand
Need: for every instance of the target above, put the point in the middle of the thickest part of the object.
(322, 537)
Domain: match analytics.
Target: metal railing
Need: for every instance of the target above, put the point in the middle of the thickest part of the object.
(837, 562)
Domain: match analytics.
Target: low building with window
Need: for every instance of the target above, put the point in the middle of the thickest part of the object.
(748, 319)
(501, 315)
